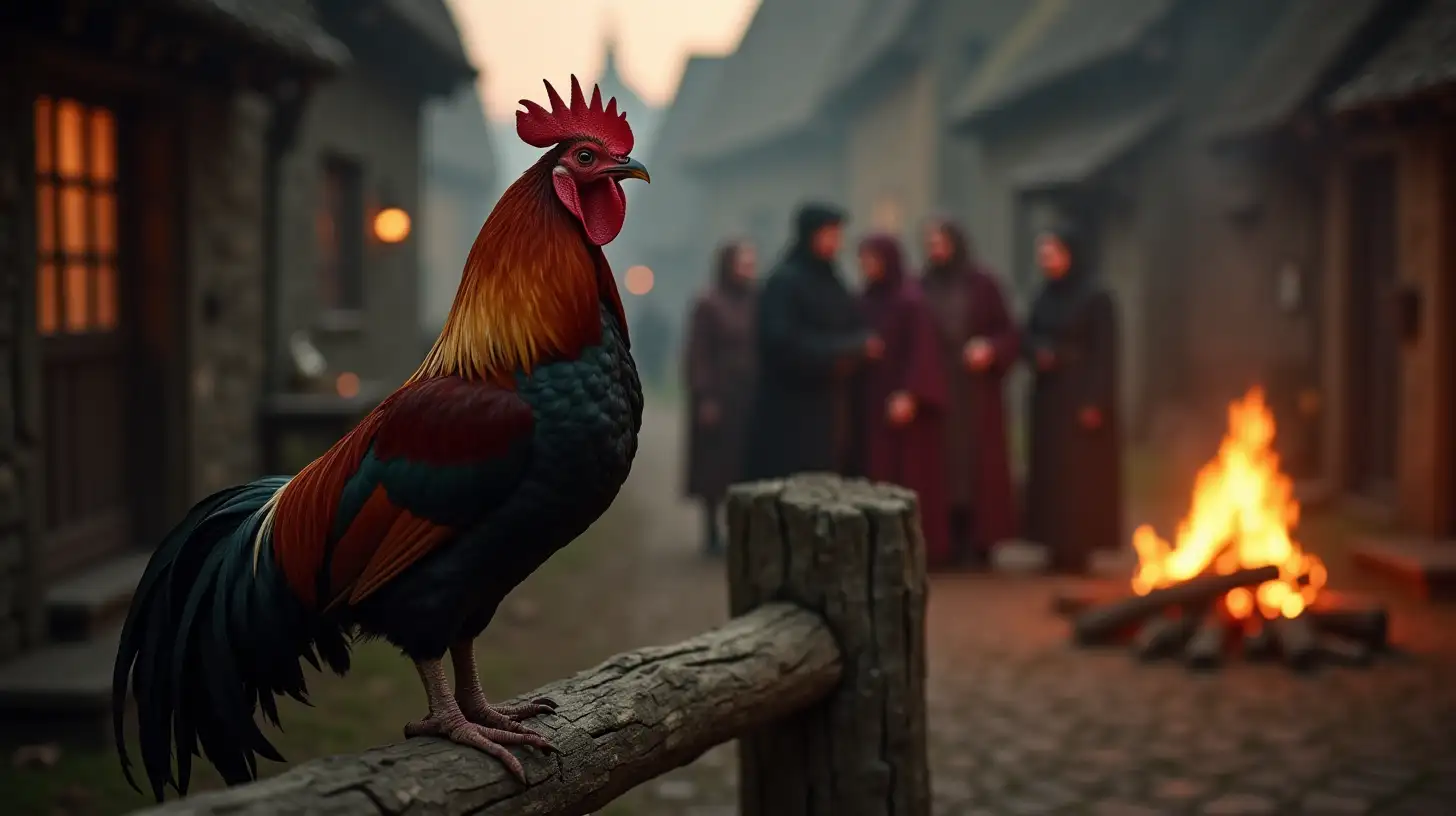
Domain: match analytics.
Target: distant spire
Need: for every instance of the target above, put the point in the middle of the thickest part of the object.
(609, 43)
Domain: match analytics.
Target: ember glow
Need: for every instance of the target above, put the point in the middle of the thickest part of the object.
(1243, 510)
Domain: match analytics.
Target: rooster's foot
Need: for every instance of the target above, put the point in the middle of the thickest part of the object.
(488, 734)
(507, 717)
(454, 727)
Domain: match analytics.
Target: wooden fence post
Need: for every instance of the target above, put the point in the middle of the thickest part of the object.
(852, 552)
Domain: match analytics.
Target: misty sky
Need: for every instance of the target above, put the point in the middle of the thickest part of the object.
(520, 43)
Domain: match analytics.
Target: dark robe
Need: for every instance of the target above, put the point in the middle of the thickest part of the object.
(811, 335)
(967, 303)
(719, 368)
(1074, 482)
(910, 455)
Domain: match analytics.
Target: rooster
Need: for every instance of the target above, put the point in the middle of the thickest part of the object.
(512, 437)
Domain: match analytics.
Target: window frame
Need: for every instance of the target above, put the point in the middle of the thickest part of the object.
(341, 258)
(90, 248)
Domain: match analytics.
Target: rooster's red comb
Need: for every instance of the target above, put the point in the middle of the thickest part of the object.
(539, 127)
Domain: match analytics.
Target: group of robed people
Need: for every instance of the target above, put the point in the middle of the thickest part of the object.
(903, 382)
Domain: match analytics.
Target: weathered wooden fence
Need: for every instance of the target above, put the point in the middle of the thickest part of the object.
(820, 676)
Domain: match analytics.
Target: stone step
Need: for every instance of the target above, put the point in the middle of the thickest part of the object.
(1424, 567)
(59, 693)
(92, 601)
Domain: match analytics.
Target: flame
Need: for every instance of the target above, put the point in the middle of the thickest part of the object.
(1242, 513)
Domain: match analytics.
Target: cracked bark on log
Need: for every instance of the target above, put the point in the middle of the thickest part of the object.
(853, 552)
(636, 716)
(1101, 622)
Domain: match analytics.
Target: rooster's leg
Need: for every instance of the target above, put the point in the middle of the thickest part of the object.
(448, 721)
(472, 697)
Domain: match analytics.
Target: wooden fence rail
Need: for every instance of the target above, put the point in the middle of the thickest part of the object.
(820, 676)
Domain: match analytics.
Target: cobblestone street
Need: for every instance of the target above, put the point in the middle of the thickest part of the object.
(1021, 723)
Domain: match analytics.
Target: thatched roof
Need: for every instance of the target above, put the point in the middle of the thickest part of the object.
(1054, 40)
(1301, 50)
(1419, 59)
(287, 27)
(1073, 155)
(773, 84)
(433, 22)
(460, 144)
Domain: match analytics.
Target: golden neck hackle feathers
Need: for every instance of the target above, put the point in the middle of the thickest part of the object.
(529, 291)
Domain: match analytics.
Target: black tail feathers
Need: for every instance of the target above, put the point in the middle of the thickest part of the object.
(212, 635)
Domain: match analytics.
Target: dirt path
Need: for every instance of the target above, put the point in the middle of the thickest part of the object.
(1019, 722)
(677, 592)
(1022, 724)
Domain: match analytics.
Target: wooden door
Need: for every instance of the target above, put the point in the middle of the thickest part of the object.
(1448, 271)
(1374, 336)
(78, 316)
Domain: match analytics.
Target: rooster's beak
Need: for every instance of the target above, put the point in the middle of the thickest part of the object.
(630, 168)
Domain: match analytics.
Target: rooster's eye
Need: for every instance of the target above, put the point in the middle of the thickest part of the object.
(584, 157)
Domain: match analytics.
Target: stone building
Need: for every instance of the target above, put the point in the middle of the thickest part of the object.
(674, 242)
(1263, 186)
(1099, 111)
(359, 151)
(461, 188)
(765, 145)
(133, 147)
(911, 59)
(167, 172)
(1390, 272)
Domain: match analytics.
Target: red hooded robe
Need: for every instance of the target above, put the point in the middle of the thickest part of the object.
(911, 455)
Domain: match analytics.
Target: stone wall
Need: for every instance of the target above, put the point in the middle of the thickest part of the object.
(759, 196)
(226, 153)
(19, 411)
(374, 119)
(892, 170)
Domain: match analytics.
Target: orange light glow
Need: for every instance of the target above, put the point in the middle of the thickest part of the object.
(392, 225)
(639, 280)
(347, 385)
(1242, 513)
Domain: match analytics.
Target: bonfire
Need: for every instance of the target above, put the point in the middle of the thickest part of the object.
(1233, 571)
(1242, 516)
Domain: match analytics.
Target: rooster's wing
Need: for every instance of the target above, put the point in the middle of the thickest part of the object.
(436, 458)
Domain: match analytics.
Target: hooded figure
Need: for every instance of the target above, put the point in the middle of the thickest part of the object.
(979, 345)
(903, 395)
(811, 339)
(719, 371)
(1074, 480)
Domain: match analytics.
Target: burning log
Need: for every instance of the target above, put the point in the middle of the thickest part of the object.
(1162, 636)
(1370, 625)
(1204, 649)
(1097, 624)
(1259, 643)
(1071, 601)
(1297, 639)
(1344, 651)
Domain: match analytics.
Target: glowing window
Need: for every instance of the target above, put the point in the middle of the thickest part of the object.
(75, 206)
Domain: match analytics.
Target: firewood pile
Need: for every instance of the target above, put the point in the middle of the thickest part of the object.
(1190, 622)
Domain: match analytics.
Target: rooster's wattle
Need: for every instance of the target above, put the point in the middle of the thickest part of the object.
(514, 435)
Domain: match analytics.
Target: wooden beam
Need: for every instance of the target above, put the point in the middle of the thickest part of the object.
(636, 716)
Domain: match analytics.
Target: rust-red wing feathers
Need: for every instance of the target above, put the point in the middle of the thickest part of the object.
(431, 460)
(452, 420)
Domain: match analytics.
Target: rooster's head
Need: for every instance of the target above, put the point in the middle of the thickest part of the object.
(589, 157)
